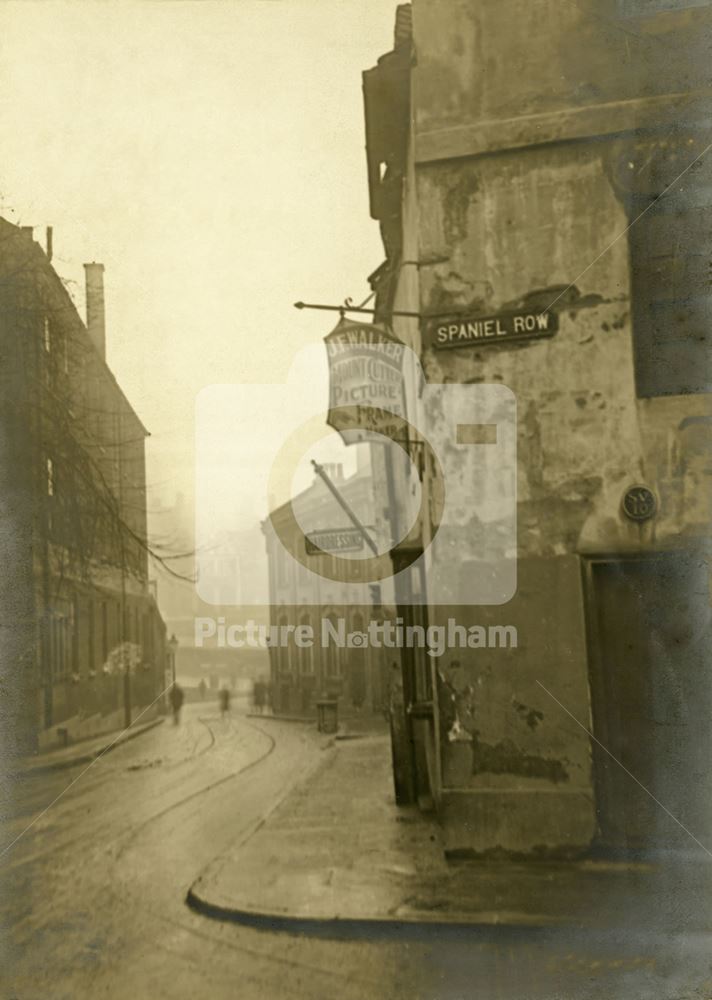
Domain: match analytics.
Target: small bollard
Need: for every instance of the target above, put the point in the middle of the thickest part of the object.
(327, 715)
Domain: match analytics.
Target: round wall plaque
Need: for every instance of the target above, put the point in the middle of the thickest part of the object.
(639, 503)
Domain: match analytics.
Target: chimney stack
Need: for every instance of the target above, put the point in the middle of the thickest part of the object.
(49, 243)
(94, 278)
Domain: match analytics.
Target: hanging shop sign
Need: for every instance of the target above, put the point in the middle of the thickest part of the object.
(334, 540)
(366, 384)
(465, 331)
(639, 503)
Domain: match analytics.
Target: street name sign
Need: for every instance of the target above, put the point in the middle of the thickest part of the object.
(335, 540)
(465, 331)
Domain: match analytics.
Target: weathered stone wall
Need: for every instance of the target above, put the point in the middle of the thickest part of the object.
(538, 222)
(512, 225)
(505, 742)
(503, 73)
(519, 223)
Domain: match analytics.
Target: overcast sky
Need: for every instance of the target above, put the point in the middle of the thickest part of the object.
(211, 155)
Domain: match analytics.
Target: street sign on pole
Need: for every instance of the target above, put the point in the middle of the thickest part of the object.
(334, 540)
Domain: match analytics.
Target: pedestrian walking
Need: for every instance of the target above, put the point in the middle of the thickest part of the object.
(224, 700)
(176, 697)
(201, 689)
(258, 696)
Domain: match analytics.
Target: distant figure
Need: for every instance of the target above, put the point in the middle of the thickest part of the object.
(176, 697)
(258, 696)
(268, 696)
(201, 688)
(224, 699)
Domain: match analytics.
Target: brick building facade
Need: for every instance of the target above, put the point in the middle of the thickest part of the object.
(83, 641)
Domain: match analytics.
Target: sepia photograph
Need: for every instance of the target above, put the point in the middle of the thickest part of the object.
(356, 496)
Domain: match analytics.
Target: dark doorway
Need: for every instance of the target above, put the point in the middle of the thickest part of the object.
(649, 630)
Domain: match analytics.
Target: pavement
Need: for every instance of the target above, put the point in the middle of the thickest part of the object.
(337, 853)
(94, 875)
(82, 752)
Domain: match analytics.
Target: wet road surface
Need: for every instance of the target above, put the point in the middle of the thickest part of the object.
(92, 896)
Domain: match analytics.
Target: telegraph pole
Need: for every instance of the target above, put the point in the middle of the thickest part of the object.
(123, 629)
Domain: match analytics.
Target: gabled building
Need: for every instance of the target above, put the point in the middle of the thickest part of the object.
(83, 643)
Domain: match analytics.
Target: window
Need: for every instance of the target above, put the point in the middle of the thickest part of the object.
(306, 653)
(91, 610)
(58, 646)
(283, 567)
(283, 657)
(75, 636)
(148, 639)
(333, 653)
(632, 8)
(104, 632)
(61, 641)
(355, 568)
(672, 300)
(53, 523)
(670, 243)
